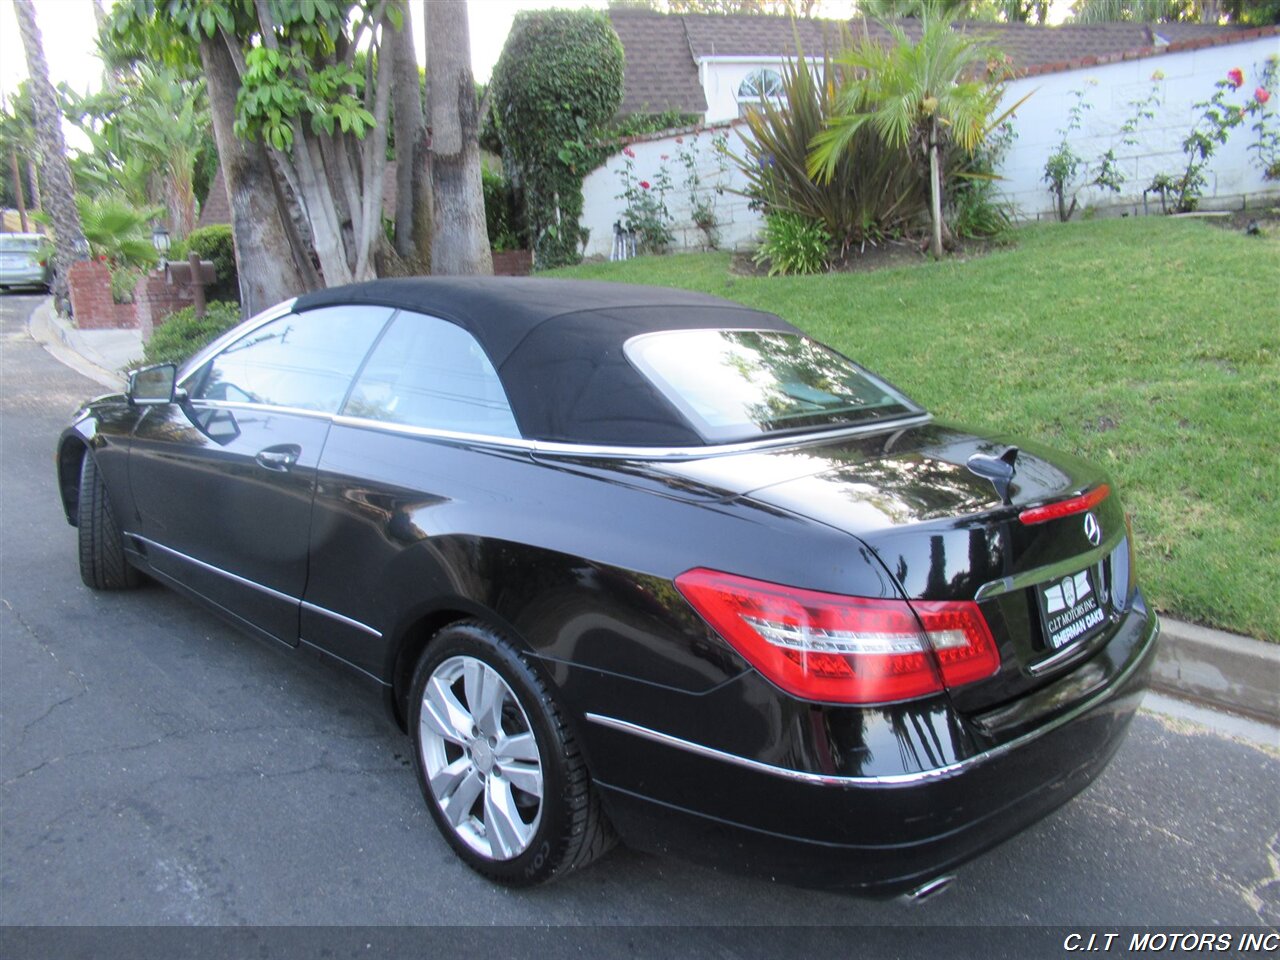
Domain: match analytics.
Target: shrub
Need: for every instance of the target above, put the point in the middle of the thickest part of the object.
(182, 334)
(646, 213)
(976, 210)
(500, 216)
(213, 243)
(558, 80)
(875, 190)
(123, 280)
(118, 230)
(793, 243)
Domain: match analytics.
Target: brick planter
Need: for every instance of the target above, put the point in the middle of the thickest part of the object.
(513, 263)
(91, 304)
(156, 299)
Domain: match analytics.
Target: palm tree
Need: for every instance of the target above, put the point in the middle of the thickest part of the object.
(59, 195)
(919, 95)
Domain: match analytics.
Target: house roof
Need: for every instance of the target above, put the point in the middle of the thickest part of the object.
(662, 50)
(660, 73)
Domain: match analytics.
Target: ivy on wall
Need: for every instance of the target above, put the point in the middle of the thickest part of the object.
(559, 80)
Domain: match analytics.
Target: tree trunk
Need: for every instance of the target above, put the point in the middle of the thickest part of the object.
(935, 192)
(267, 271)
(59, 191)
(17, 189)
(413, 179)
(459, 240)
(33, 182)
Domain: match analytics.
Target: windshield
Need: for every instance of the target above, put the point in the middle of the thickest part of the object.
(11, 243)
(741, 384)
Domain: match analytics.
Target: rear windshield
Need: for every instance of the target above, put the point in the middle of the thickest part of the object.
(10, 242)
(741, 384)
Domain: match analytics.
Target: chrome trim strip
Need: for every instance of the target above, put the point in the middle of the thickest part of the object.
(212, 569)
(1028, 578)
(259, 407)
(555, 449)
(891, 780)
(333, 615)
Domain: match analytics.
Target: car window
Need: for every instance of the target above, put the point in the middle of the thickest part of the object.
(740, 384)
(426, 372)
(302, 360)
(20, 243)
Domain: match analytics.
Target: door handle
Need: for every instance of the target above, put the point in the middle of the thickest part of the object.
(278, 459)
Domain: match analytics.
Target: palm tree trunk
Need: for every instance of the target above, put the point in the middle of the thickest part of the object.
(935, 191)
(459, 240)
(60, 196)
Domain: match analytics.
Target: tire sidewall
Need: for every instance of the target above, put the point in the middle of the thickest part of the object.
(547, 850)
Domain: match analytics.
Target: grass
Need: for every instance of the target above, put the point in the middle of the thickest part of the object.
(1148, 346)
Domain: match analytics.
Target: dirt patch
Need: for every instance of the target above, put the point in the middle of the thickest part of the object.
(1264, 219)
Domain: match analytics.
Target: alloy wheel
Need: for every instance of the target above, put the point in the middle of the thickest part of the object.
(481, 758)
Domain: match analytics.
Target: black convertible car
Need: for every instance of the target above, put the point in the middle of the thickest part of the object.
(641, 563)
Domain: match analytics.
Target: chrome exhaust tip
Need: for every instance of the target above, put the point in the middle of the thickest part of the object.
(929, 889)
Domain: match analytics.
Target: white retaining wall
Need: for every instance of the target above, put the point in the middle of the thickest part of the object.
(1188, 78)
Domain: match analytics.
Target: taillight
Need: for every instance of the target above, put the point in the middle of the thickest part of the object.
(1065, 508)
(837, 649)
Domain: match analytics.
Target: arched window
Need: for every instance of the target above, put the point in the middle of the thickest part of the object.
(760, 84)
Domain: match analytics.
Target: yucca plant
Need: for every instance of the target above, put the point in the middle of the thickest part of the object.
(918, 96)
(871, 191)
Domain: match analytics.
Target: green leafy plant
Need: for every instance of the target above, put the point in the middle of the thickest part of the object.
(183, 333)
(1062, 169)
(500, 215)
(793, 243)
(117, 231)
(213, 243)
(123, 280)
(1217, 119)
(872, 190)
(646, 213)
(922, 95)
(703, 200)
(559, 79)
(1266, 146)
(976, 209)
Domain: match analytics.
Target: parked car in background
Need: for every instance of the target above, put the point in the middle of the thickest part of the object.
(25, 260)
(637, 562)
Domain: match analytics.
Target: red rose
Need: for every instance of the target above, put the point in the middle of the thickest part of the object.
(628, 152)
(1236, 76)
(679, 139)
(664, 157)
(645, 184)
(1262, 95)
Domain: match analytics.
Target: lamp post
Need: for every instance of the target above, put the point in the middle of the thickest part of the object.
(160, 240)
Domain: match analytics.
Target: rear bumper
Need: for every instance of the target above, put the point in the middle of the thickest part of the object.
(880, 835)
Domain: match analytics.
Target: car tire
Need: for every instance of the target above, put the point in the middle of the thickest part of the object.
(501, 772)
(103, 565)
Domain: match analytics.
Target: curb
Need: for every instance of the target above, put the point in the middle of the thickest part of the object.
(60, 339)
(1223, 670)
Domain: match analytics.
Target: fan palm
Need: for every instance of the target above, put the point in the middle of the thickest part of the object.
(918, 95)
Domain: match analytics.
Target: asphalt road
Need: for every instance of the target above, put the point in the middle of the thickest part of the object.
(157, 767)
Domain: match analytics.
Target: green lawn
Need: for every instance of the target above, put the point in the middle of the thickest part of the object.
(1149, 346)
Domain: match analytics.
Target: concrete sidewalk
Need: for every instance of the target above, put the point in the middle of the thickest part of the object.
(101, 355)
(1221, 670)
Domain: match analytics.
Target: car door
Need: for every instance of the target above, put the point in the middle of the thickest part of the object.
(223, 481)
(396, 478)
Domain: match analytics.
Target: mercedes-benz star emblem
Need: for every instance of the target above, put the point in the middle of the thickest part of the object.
(1092, 529)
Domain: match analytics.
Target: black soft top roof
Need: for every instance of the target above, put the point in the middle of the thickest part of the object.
(557, 346)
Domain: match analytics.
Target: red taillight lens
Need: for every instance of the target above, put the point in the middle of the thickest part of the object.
(838, 649)
(1064, 508)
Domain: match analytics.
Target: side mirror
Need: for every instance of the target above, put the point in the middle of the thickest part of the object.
(152, 385)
